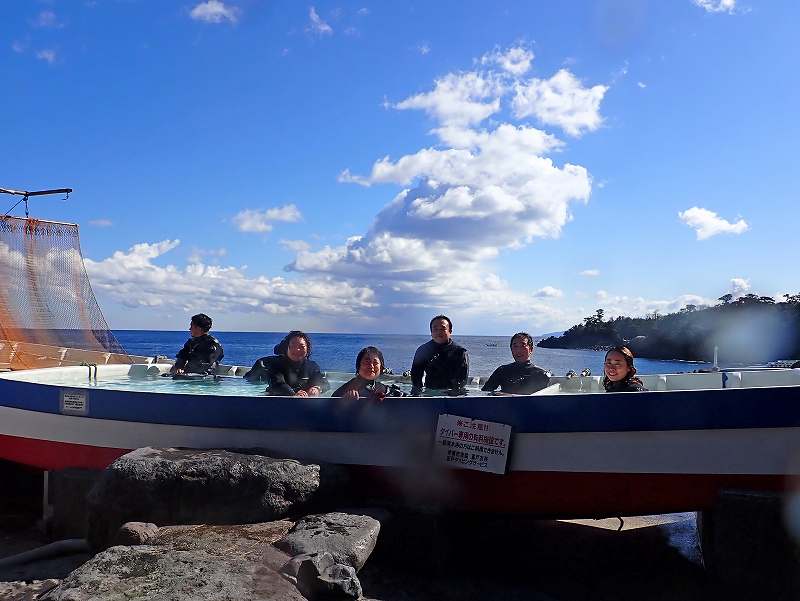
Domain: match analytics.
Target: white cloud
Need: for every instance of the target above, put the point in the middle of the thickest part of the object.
(590, 273)
(215, 11)
(296, 246)
(457, 99)
(548, 292)
(255, 220)
(561, 100)
(131, 278)
(316, 24)
(47, 19)
(48, 56)
(717, 6)
(18, 47)
(101, 223)
(198, 255)
(637, 306)
(516, 60)
(739, 287)
(423, 49)
(707, 223)
(641, 84)
(362, 12)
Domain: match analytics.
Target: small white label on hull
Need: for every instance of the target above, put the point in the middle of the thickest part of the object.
(73, 402)
(473, 444)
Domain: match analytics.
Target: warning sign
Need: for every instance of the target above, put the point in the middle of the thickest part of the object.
(73, 402)
(472, 444)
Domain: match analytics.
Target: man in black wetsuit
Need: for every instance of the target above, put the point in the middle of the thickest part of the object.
(202, 352)
(444, 363)
(522, 376)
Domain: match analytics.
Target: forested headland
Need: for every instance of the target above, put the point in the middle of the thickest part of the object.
(750, 328)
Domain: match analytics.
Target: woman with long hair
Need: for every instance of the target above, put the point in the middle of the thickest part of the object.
(619, 372)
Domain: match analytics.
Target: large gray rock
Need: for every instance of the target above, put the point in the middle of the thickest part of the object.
(185, 563)
(349, 538)
(177, 486)
(319, 576)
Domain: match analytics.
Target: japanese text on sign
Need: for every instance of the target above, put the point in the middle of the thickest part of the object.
(472, 444)
(73, 402)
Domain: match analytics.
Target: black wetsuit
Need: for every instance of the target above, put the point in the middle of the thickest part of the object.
(200, 355)
(629, 385)
(446, 367)
(285, 377)
(369, 389)
(517, 378)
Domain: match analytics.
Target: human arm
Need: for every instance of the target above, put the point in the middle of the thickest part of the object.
(417, 370)
(493, 382)
(460, 371)
(181, 358)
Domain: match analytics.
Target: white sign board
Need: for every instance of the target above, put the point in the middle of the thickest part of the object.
(472, 444)
(74, 402)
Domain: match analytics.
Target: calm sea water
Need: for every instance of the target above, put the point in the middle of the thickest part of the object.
(337, 352)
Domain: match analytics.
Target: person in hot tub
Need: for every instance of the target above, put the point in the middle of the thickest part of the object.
(290, 372)
(202, 352)
(521, 376)
(619, 372)
(369, 366)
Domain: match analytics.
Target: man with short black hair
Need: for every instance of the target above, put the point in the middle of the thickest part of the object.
(202, 352)
(444, 363)
(521, 376)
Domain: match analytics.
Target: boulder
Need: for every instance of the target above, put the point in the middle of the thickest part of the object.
(135, 533)
(319, 576)
(187, 563)
(348, 538)
(185, 486)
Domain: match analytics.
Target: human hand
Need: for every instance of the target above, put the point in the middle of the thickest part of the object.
(301, 393)
(314, 391)
(351, 395)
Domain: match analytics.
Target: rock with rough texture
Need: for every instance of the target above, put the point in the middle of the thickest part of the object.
(184, 563)
(26, 591)
(135, 533)
(319, 576)
(349, 538)
(184, 486)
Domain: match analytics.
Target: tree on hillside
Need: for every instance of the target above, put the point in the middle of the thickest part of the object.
(725, 298)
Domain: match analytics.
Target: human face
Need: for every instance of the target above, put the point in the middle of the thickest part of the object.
(615, 366)
(195, 330)
(298, 349)
(440, 331)
(520, 349)
(370, 366)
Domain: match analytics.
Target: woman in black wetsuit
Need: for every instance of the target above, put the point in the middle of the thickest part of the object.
(369, 365)
(289, 372)
(619, 372)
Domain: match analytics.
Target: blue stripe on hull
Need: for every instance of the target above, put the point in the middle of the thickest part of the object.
(674, 410)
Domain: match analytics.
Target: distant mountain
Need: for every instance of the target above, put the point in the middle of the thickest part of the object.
(542, 336)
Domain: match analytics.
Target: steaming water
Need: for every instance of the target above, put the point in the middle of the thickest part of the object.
(337, 352)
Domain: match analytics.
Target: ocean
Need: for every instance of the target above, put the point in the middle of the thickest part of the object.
(337, 352)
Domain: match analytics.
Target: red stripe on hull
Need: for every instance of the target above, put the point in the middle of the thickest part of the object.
(546, 494)
(50, 455)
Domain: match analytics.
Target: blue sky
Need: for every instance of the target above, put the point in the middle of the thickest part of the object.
(363, 166)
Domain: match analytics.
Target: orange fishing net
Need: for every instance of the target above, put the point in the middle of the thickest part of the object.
(48, 312)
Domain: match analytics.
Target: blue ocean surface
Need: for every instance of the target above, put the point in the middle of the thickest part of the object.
(337, 352)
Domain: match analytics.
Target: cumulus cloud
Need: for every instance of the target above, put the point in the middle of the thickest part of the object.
(548, 292)
(561, 100)
(198, 255)
(48, 56)
(590, 273)
(214, 11)
(638, 306)
(707, 223)
(316, 25)
(134, 280)
(716, 6)
(641, 84)
(101, 223)
(296, 246)
(260, 221)
(478, 190)
(739, 287)
(423, 49)
(516, 60)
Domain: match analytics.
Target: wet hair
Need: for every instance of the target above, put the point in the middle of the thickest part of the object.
(625, 352)
(524, 335)
(447, 319)
(282, 348)
(369, 350)
(202, 321)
